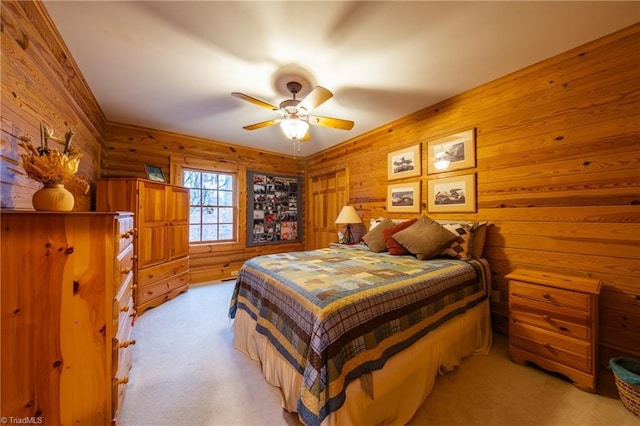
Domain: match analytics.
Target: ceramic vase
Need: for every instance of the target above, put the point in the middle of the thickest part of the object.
(54, 198)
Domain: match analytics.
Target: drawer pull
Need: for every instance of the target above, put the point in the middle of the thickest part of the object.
(128, 234)
(122, 381)
(546, 295)
(546, 345)
(125, 270)
(546, 317)
(125, 308)
(126, 344)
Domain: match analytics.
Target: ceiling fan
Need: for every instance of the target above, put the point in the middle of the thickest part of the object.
(296, 113)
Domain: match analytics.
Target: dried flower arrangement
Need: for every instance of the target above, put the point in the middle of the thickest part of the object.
(50, 165)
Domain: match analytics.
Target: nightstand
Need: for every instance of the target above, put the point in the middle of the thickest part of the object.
(553, 323)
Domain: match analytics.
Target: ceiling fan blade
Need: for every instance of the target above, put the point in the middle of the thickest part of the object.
(261, 124)
(315, 98)
(336, 123)
(255, 101)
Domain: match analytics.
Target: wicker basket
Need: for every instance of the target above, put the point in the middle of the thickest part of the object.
(626, 372)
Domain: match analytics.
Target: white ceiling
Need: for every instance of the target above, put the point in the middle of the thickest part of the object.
(172, 65)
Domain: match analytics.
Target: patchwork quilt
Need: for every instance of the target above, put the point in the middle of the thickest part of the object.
(336, 314)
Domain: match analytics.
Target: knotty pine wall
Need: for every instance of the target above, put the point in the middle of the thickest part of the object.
(41, 83)
(558, 160)
(128, 148)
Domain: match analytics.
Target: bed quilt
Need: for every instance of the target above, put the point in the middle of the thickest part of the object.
(336, 314)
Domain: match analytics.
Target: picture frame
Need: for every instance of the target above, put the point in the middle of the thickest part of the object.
(404, 197)
(452, 194)
(154, 173)
(274, 209)
(404, 163)
(453, 152)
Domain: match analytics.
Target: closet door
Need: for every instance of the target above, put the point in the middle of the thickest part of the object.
(328, 193)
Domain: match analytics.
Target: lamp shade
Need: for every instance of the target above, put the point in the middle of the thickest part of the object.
(348, 215)
(294, 128)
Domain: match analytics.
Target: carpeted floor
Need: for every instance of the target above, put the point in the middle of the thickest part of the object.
(186, 372)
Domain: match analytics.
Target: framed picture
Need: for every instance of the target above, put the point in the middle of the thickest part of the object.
(452, 194)
(272, 209)
(404, 163)
(403, 198)
(154, 173)
(452, 152)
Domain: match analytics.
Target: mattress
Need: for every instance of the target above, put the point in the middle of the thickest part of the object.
(330, 317)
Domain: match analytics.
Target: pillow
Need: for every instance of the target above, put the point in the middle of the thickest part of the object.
(374, 238)
(375, 222)
(426, 238)
(476, 238)
(392, 245)
(459, 248)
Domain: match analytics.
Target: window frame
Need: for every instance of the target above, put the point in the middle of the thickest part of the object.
(177, 166)
(233, 206)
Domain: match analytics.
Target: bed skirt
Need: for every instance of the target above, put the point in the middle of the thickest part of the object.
(392, 395)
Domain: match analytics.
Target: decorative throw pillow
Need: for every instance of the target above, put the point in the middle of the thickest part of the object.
(476, 238)
(459, 248)
(374, 238)
(392, 245)
(426, 238)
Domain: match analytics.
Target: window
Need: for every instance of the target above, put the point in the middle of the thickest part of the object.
(213, 207)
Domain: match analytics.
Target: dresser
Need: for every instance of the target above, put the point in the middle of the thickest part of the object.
(67, 315)
(553, 323)
(161, 267)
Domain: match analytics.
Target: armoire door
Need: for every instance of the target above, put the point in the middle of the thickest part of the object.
(152, 224)
(328, 193)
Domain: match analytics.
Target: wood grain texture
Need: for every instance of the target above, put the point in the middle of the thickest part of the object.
(42, 83)
(58, 287)
(557, 153)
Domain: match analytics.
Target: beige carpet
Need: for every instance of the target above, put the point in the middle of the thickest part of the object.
(186, 372)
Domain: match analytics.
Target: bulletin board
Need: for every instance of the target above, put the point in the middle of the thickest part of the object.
(273, 209)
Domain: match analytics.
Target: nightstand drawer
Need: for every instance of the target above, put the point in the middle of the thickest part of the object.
(550, 295)
(567, 351)
(569, 322)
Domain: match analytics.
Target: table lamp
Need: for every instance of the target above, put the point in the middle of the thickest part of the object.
(347, 217)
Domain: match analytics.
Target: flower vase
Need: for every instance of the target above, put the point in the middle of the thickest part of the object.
(54, 198)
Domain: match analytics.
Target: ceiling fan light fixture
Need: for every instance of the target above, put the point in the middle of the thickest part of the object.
(294, 128)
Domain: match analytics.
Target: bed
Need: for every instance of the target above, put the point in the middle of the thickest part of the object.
(350, 335)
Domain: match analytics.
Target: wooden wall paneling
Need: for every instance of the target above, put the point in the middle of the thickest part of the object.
(557, 150)
(41, 82)
(128, 148)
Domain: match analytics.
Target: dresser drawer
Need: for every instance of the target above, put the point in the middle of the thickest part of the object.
(550, 295)
(123, 267)
(150, 291)
(121, 364)
(126, 232)
(123, 308)
(569, 322)
(565, 350)
(152, 274)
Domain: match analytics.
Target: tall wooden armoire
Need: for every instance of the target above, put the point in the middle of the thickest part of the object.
(161, 270)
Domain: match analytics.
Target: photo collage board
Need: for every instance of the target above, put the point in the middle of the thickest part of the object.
(273, 209)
